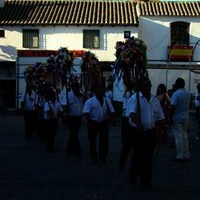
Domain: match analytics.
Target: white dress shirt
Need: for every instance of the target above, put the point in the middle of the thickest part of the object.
(75, 104)
(150, 112)
(52, 111)
(125, 101)
(29, 101)
(97, 112)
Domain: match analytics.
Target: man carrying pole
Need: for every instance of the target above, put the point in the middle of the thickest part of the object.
(143, 109)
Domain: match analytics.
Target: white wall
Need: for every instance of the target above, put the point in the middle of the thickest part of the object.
(54, 37)
(157, 76)
(72, 38)
(155, 31)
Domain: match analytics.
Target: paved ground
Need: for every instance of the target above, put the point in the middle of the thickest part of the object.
(28, 172)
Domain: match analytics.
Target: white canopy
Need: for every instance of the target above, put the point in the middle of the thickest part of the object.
(4, 57)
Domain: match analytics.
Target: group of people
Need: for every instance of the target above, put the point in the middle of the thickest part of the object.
(145, 118)
(41, 115)
(145, 122)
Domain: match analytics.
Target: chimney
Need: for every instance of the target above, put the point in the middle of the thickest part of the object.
(2, 3)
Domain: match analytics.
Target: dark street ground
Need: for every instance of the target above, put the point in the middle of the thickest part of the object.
(28, 172)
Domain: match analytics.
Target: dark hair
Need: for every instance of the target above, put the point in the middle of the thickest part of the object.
(142, 80)
(163, 89)
(129, 88)
(180, 83)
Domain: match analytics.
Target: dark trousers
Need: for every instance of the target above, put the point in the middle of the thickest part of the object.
(51, 126)
(40, 126)
(30, 123)
(126, 140)
(142, 157)
(74, 125)
(100, 129)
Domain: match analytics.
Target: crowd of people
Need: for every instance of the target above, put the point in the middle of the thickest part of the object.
(144, 123)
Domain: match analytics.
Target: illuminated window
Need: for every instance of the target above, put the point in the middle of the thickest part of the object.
(31, 38)
(91, 39)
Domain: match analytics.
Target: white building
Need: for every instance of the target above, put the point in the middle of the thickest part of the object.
(97, 26)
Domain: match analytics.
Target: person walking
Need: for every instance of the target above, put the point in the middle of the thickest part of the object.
(145, 113)
(75, 104)
(28, 108)
(164, 99)
(180, 105)
(97, 109)
(39, 110)
(126, 134)
(52, 108)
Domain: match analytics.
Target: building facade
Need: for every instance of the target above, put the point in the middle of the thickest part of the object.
(96, 26)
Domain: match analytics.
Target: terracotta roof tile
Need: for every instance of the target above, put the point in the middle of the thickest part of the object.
(169, 9)
(70, 12)
(86, 12)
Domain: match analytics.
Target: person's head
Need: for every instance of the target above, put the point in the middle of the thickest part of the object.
(99, 91)
(174, 87)
(161, 89)
(145, 86)
(180, 83)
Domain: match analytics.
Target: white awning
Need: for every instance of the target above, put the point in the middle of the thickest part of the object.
(4, 57)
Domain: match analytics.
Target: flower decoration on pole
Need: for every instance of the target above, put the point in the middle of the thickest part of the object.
(130, 64)
(91, 73)
(52, 74)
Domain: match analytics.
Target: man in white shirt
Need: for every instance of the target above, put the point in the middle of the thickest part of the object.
(180, 105)
(75, 104)
(52, 108)
(144, 111)
(97, 110)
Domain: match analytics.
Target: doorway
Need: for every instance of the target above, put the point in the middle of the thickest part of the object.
(9, 93)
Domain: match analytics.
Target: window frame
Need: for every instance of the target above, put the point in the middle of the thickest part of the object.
(89, 38)
(127, 34)
(180, 33)
(32, 33)
(2, 33)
